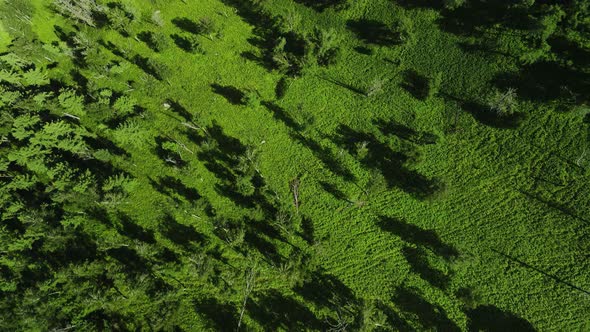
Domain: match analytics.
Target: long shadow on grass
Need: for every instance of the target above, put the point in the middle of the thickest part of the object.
(185, 236)
(325, 290)
(548, 81)
(486, 116)
(128, 227)
(374, 32)
(475, 16)
(391, 164)
(187, 25)
(321, 5)
(341, 84)
(428, 316)
(555, 205)
(416, 84)
(390, 127)
(418, 261)
(277, 312)
(131, 261)
(232, 94)
(418, 236)
(219, 316)
(171, 187)
(326, 155)
(492, 319)
(177, 108)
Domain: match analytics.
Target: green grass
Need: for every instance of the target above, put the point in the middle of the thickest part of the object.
(483, 210)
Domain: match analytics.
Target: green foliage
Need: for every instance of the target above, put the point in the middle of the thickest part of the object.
(325, 46)
(71, 103)
(396, 212)
(125, 105)
(503, 103)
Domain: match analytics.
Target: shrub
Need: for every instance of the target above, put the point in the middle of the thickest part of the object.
(324, 45)
(376, 87)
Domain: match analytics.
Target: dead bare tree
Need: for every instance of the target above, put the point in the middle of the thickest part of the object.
(294, 184)
(250, 281)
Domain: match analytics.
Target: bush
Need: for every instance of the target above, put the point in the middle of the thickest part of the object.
(325, 46)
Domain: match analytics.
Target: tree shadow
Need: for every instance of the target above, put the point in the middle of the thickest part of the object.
(281, 115)
(416, 84)
(219, 156)
(180, 234)
(547, 81)
(102, 143)
(325, 290)
(555, 205)
(276, 312)
(219, 316)
(130, 260)
(188, 25)
(472, 18)
(391, 164)
(326, 155)
(148, 37)
(418, 261)
(363, 50)
(488, 117)
(392, 127)
(418, 236)
(232, 94)
(570, 51)
(177, 108)
(263, 246)
(374, 32)
(307, 230)
(347, 86)
(131, 229)
(70, 38)
(149, 66)
(429, 316)
(185, 43)
(173, 187)
(333, 190)
(492, 319)
(321, 5)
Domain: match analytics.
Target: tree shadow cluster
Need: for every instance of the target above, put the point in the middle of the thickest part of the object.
(375, 32)
(379, 156)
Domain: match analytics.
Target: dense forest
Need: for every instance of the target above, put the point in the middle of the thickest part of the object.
(294, 165)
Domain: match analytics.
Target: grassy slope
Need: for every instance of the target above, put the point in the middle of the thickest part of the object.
(483, 168)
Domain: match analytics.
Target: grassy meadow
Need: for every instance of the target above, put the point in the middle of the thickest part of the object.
(352, 177)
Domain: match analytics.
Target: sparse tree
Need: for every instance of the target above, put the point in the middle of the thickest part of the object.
(81, 10)
(294, 186)
(250, 282)
(376, 87)
(503, 103)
